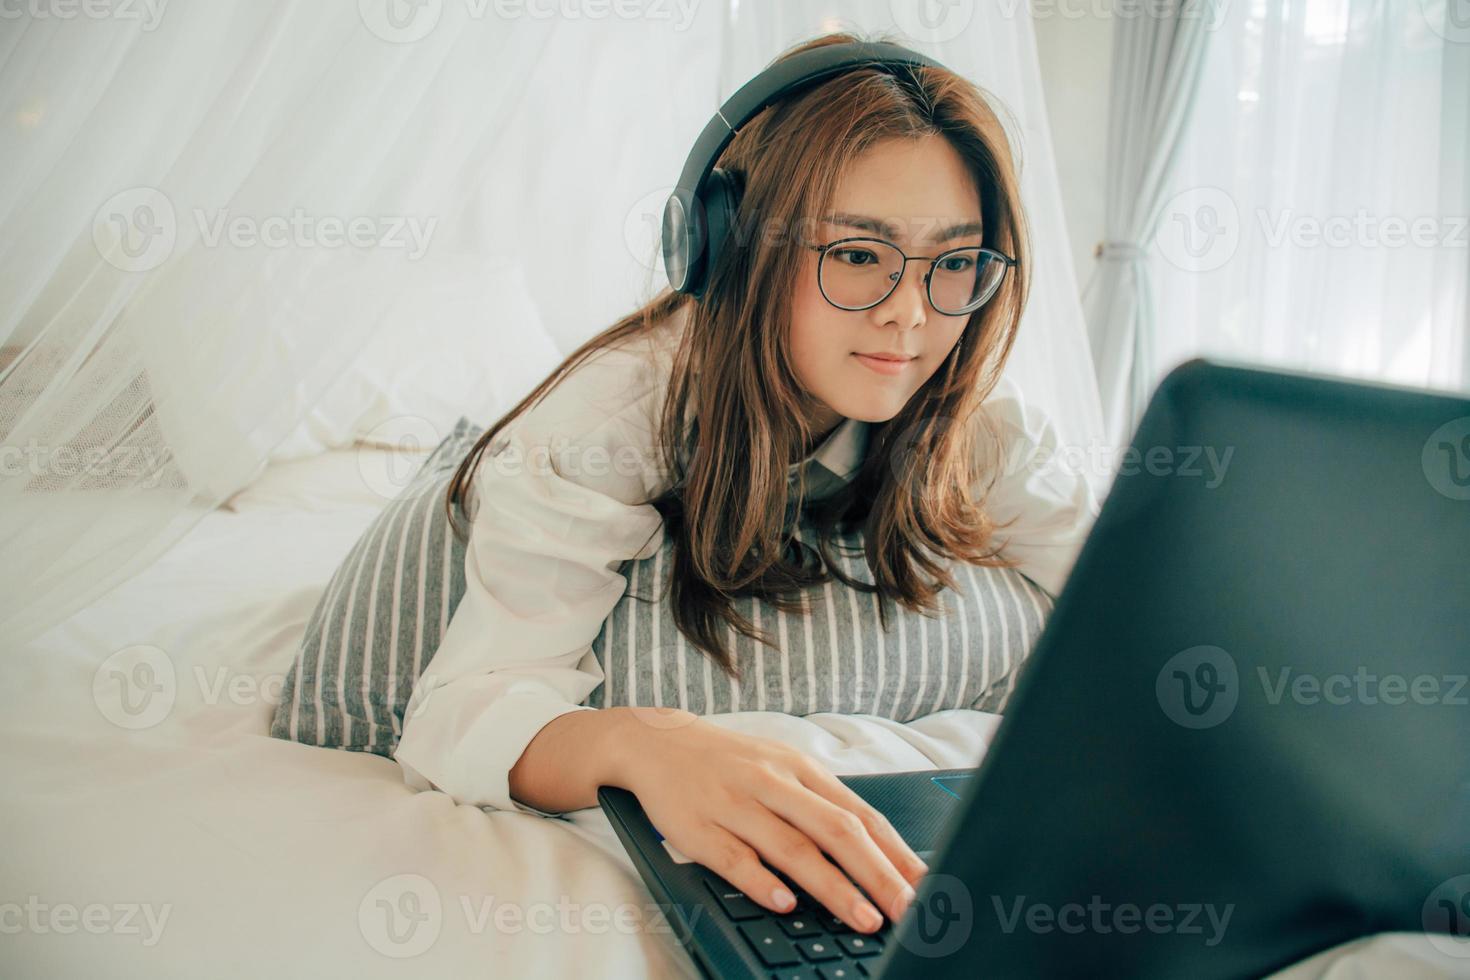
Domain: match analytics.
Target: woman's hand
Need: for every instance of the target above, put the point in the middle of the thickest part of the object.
(731, 801)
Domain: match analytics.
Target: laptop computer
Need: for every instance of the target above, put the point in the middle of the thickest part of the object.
(1241, 738)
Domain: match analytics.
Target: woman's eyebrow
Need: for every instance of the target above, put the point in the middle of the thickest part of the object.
(887, 230)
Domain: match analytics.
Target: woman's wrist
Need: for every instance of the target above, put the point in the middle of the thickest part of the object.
(634, 737)
(578, 751)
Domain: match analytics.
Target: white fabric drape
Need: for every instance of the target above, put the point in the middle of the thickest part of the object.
(1319, 220)
(207, 212)
(1157, 59)
(178, 284)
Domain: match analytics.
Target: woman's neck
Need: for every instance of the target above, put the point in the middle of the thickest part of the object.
(824, 425)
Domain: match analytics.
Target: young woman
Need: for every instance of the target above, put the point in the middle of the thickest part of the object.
(836, 381)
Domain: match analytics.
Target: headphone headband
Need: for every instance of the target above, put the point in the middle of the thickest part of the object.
(700, 210)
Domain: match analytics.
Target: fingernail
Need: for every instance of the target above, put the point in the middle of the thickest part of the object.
(867, 916)
(783, 899)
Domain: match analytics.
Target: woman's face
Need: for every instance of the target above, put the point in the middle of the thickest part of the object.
(918, 195)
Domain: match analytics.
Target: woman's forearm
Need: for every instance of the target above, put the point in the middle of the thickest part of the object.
(577, 752)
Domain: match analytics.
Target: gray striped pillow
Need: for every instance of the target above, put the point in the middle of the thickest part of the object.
(385, 609)
(381, 617)
(839, 658)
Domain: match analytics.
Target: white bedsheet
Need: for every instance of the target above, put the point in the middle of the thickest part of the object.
(168, 835)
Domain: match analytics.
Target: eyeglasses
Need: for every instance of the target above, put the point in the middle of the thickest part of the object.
(859, 273)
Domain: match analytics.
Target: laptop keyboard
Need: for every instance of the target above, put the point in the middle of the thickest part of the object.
(807, 943)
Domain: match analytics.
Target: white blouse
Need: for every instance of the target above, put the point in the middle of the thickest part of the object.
(545, 546)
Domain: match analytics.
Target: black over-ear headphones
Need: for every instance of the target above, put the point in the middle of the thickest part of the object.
(701, 211)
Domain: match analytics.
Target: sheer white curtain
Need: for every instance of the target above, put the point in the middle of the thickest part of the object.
(1155, 80)
(210, 207)
(1318, 217)
(206, 213)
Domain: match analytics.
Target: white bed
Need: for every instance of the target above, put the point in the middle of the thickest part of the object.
(193, 845)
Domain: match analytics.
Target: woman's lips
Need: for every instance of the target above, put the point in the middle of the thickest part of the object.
(882, 365)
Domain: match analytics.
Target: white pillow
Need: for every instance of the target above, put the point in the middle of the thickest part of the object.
(468, 343)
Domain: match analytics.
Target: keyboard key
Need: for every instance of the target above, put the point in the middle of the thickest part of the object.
(831, 922)
(734, 902)
(819, 948)
(796, 973)
(859, 945)
(798, 925)
(773, 948)
(841, 970)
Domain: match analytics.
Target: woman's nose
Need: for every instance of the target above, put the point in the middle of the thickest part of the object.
(906, 303)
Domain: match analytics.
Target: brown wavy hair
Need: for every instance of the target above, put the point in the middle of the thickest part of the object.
(727, 506)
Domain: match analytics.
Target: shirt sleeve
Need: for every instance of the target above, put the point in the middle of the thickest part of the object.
(541, 576)
(1043, 505)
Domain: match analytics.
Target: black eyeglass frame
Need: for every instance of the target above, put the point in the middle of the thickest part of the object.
(822, 250)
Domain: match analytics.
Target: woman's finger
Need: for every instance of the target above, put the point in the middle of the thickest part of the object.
(844, 836)
(733, 859)
(783, 846)
(909, 864)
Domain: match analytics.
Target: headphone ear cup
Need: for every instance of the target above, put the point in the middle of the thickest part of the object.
(721, 197)
(682, 234)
